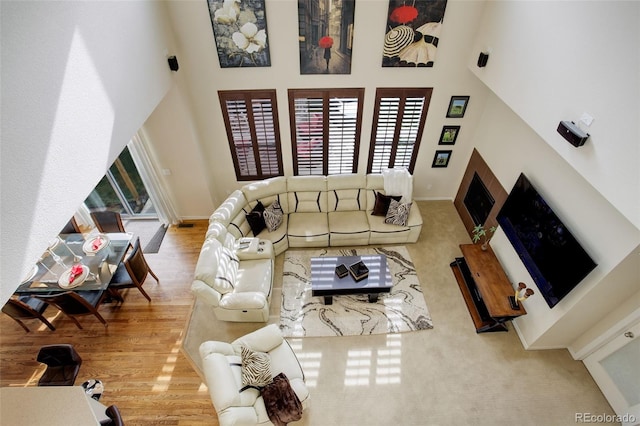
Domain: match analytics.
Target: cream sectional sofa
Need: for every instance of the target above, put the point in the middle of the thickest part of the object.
(318, 211)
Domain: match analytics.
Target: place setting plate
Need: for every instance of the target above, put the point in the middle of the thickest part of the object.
(88, 246)
(63, 282)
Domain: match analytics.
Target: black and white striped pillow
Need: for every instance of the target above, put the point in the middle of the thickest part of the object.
(398, 213)
(256, 368)
(273, 216)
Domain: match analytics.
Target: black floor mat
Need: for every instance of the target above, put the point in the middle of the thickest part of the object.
(154, 245)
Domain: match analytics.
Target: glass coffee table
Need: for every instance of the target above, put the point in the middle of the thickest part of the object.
(326, 283)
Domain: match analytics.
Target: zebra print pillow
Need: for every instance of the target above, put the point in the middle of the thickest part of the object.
(398, 213)
(256, 368)
(273, 216)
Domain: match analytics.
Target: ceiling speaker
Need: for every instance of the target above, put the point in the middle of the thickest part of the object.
(173, 63)
(482, 59)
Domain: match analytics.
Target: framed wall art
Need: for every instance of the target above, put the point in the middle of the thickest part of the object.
(449, 135)
(457, 106)
(441, 159)
(325, 36)
(412, 33)
(240, 31)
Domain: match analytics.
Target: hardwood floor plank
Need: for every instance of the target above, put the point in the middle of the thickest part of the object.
(138, 355)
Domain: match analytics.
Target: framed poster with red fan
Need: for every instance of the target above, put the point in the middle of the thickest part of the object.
(325, 36)
(412, 33)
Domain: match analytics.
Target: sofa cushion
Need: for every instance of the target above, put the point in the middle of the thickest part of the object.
(254, 276)
(308, 224)
(307, 194)
(227, 273)
(267, 191)
(381, 206)
(346, 192)
(230, 208)
(351, 222)
(256, 368)
(273, 216)
(207, 266)
(398, 213)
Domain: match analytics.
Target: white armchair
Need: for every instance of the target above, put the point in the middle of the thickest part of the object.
(221, 364)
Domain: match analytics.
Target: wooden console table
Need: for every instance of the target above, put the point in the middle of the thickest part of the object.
(485, 288)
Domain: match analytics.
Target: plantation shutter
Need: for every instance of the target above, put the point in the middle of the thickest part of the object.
(398, 122)
(252, 129)
(326, 128)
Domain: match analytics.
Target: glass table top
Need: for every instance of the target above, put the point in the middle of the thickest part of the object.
(100, 260)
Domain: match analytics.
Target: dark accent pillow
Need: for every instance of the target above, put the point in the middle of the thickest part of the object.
(382, 203)
(256, 219)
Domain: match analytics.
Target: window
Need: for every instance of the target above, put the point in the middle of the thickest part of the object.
(250, 117)
(398, 121)
(325, 126)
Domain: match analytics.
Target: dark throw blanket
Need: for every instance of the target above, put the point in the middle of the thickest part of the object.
(282, 403)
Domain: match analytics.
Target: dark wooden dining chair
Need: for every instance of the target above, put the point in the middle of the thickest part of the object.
(63, 365)
(26, 307)
(71, 227)
(131, 273)
(108, 221)
(115, 418)
(76, 303)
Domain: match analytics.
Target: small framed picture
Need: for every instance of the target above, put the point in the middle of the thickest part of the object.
(441, 159)
(449, 135)
(457, 106)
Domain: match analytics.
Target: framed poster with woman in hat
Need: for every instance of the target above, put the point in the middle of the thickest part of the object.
(412, 33)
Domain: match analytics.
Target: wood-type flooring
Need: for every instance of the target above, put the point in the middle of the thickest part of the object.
(138, 355)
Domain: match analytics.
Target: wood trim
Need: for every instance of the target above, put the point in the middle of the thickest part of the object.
(478, 165)
(403, 94)
(326, 95)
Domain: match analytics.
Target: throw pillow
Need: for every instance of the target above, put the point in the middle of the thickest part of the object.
(256, 368)
(273, 216)
(256, 219)
(398, 213)
(227, 271)
(382, 203)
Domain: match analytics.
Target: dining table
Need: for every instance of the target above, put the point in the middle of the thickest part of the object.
(78, 262)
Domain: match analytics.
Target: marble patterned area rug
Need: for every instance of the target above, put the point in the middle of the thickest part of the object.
(302, 315)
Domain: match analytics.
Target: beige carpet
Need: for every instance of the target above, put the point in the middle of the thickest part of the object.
(401, 310)
(447, 376)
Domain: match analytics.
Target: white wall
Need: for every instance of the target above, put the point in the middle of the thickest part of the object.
(553, 61)
(602, 230)
(175, 144)
(78, 80)
(450, 76)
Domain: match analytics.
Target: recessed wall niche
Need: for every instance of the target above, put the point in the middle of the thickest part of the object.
(483, 193)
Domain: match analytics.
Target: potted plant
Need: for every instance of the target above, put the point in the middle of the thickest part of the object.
(484, 235)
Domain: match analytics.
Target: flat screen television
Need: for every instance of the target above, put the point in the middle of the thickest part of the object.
(554, 258)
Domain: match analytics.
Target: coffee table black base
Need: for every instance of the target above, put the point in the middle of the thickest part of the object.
(326, 284)
(373, 298)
